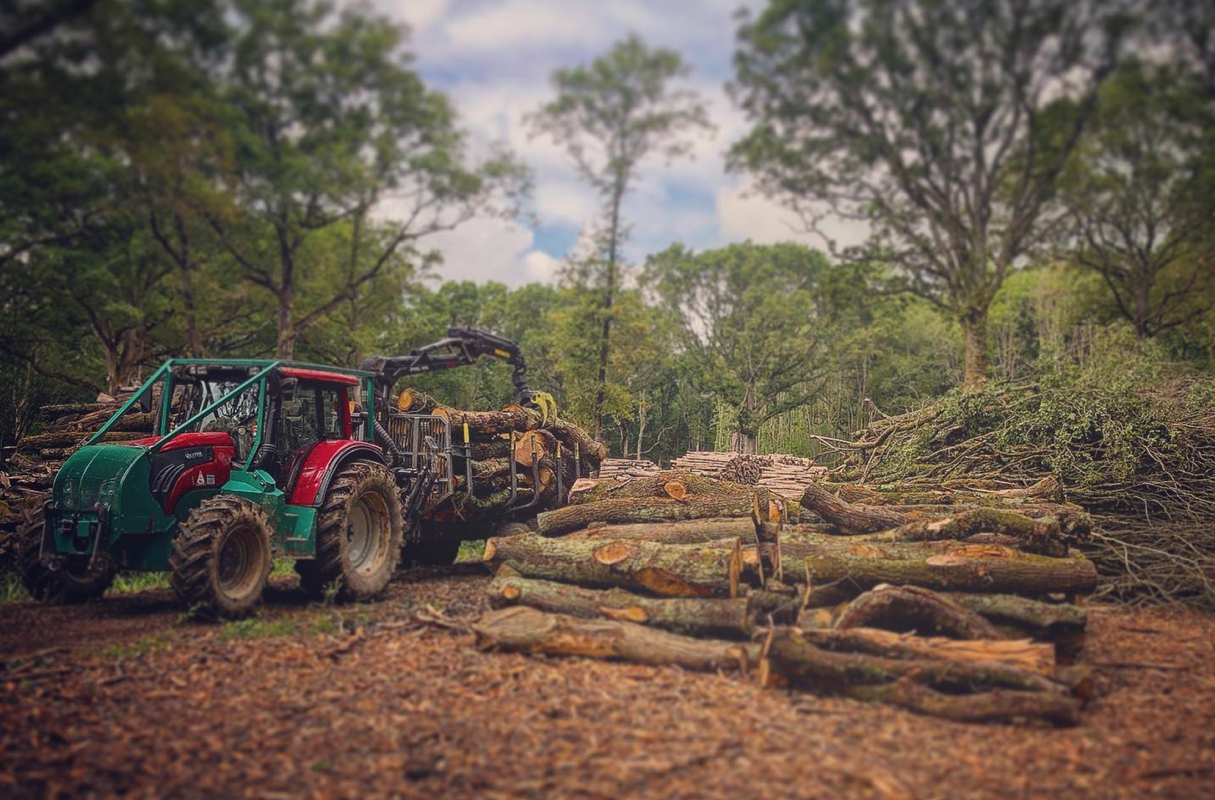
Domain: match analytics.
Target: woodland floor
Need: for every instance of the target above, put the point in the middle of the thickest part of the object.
(122, 697)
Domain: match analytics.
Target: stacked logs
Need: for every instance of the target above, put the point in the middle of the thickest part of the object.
(627, 468)
(784, 474)
(953, 606)
(546, 454)
(30, 465)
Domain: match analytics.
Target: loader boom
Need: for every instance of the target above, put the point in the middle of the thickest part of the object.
(463, 346)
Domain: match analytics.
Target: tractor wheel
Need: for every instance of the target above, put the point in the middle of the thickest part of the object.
(222, 556)
(358, 535)
(73, 583)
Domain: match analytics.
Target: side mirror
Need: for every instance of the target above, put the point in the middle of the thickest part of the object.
(287, 388)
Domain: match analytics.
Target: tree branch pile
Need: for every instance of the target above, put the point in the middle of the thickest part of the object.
(960, 612)
(1141, 462)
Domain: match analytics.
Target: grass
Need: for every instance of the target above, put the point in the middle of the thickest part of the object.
(281, 627)
(11, 590)
(471, 551)
(151, 643)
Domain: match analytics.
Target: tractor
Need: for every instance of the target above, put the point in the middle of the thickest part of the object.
(252, 460)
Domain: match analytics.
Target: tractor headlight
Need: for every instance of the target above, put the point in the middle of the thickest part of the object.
(68, 493)
(105, 495)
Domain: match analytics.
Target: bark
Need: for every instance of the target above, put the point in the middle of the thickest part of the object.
(733, 618)
(981, 571)
(847, 516)
(1049, 621)
(590, 450)
(911, 608)
(793, 656)
(974, 329)
(1021, 654)
(664, 570)
(1034, 535)
(998, 706)
(487, 423)
(527, 630)
(571, 518)
(695, 531)
(57, 439)
(664, 483)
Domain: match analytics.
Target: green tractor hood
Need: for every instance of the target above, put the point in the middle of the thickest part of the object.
(94, 474)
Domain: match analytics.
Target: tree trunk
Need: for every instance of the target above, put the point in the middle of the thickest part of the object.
(1039, 658)
(1047, 621)
(488, 423)
(734, 618)
(665, 570)
(974, 329)
(680, 532)
(794, 656)
(847, 516)
(527, 630)
(997, 706)
(949, 571)
(285, 347)
(909, 608)
(571, 518)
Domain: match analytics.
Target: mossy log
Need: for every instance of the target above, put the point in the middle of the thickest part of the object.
(1035, 535)
(906, 609)
(1041, 620)
(483, 424)
(664, 570)
(672, 484)
(849, 517)
(627, 510)
(995, 706)
(793, 655)
(695, 531)
(1046, 490)
(528, 630)
(1020, 653)
(984, 569)
(590, 451)
(734, 618)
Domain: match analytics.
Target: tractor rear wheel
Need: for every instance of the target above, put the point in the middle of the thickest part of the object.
(72, 583)
(222, 556)
(358, 535)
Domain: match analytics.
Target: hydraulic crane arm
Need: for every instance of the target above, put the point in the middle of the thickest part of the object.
(463, 346)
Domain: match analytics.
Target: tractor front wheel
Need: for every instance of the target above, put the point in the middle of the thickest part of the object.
(222, 556)
(358, 535)
(74, 582)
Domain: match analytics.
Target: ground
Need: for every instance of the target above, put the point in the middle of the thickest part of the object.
(125, 697)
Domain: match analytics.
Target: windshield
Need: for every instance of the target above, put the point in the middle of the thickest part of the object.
(236, 416)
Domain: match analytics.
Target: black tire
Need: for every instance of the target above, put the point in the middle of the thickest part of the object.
(222, 557)
(73, 583)
(358, 535)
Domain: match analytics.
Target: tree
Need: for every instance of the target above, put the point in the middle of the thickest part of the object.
(331, 123)
(943, 126)
(609, 116)
(751, 324)
(1140, 199)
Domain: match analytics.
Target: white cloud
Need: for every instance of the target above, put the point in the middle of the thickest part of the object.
(540, 266)
(483, 250)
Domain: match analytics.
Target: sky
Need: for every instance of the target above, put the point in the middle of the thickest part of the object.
(493, 59)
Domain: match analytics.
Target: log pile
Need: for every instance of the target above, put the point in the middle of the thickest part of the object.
(786, 475)
(30, 465)
(960, 606)
(626, 468)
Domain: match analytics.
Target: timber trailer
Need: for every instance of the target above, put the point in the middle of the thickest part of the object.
(251, 460)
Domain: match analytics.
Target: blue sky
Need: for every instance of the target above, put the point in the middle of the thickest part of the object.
(493, 59)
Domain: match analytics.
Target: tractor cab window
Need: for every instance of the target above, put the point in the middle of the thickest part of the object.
(237, 416)
(307, 413)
